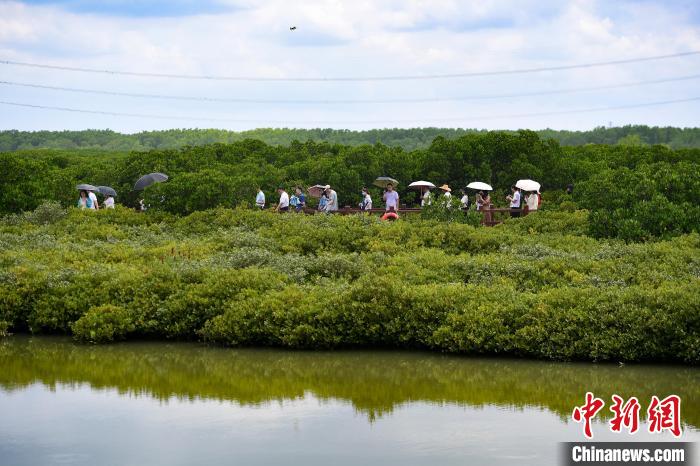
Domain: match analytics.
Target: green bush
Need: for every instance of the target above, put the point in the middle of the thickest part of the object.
(47, 212)
(536, 287)
(103, 324)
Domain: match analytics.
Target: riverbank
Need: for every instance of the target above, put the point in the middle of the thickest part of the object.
(536, 287)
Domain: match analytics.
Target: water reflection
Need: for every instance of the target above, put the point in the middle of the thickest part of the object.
(373, 382)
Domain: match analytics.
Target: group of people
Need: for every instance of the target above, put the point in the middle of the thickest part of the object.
(531, 200)
(88, 200)
(328, 200)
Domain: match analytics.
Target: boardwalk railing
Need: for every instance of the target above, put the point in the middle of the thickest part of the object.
(495, 215)
(492, 216)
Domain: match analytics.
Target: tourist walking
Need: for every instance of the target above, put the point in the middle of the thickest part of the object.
(323, 202)
(514, 200)
(260, 199)
(479, 200)
(426, 198)
(447, 192)
(109, 202)
(366, 204)
(533, 201)
(446, 200)
(84, 201)
(283, 205)
(391, 198)
(465, 200)
(93, 198)
(332, 204)
(301, 199)
(486, 206)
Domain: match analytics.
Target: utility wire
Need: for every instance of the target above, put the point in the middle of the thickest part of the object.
(353, 78)
(359, 122)
(347, 101)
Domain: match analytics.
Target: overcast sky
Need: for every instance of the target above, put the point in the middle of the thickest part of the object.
(340, 39)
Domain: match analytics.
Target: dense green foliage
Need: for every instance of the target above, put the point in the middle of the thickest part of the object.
(375, 382)
(536, 287)
(633, 192)
(408, 139)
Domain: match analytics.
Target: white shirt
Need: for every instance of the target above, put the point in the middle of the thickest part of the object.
(92, 196)
(515, 202)
(465, 200)
(392, 200)
(284, 200)
(426, 199)
(109, 203)
(260, 199)
(532, 201)
(332, 201)
(367, 202)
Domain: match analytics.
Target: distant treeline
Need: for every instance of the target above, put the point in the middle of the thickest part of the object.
(408, 139)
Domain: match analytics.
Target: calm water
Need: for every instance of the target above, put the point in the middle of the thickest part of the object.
(177, 404)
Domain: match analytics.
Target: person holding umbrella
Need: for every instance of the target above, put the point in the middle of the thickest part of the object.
(486, 206)
(424, 188)
(479, 200)
(391, 198)
(84, 201)
(109, 194)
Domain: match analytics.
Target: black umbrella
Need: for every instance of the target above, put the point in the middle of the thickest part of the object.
(146, 180)
(85, 187)
(107, 191)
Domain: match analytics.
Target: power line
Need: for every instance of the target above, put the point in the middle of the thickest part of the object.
(352, 78)
(292, 122)
(347, 101)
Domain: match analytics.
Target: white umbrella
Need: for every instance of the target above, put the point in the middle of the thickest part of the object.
(528, 185)
(478, 185)
(421, 184)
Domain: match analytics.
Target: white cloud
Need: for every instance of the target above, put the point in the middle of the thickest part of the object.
(359, 38)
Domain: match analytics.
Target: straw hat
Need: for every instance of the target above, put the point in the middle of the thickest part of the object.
(444, 187)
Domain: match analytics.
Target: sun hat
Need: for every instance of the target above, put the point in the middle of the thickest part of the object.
(444, 187)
